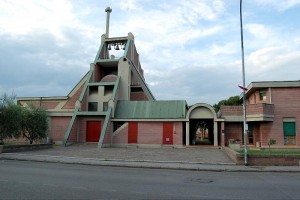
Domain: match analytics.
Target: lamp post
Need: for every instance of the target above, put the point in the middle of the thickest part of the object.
(244, 90)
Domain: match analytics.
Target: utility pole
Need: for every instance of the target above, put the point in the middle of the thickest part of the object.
(245, 127)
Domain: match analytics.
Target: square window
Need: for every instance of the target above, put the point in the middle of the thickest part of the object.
(262, 95)
(92, 106)
(93, 90)
(289, 131)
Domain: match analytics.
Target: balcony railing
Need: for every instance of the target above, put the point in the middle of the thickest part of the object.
(255, 112)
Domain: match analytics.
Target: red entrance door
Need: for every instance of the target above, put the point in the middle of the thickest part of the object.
(132, 132)
(93, 131)
(168, 133)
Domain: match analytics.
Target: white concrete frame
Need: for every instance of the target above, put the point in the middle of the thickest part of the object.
(213, 116)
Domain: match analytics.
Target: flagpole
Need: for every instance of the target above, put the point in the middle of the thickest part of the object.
(244, 91)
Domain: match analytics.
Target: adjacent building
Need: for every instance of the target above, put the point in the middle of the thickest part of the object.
(273, 112)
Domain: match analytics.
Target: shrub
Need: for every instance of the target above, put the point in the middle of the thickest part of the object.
(34, 124)
(10, 118)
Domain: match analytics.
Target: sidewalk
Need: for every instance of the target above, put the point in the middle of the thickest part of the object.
(199, 159)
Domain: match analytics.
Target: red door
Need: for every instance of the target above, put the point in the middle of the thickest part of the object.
(93, 130)
(168, 133)
(132, 132)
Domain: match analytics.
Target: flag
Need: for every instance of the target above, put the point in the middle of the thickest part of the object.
(243, 88)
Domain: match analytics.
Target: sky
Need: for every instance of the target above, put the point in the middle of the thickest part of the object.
(189, 49)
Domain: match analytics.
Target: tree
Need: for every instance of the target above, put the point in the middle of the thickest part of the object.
(271, 142)
(34, 124)
(231, 101)
(10, 118)
(202, 126)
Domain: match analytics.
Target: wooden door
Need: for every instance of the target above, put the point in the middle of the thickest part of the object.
(132, 132)
(168, 133)
(93, 131)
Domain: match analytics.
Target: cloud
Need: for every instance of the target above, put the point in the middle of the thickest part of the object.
(129, 5)
(26, 17)
(279, 4)
(189, 50)
(270, 60)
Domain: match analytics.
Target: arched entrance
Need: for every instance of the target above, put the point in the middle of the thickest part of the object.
(201, 125)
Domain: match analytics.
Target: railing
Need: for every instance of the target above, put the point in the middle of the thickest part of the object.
(252, 109)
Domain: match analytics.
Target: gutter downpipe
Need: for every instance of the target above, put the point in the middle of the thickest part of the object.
(245, 128)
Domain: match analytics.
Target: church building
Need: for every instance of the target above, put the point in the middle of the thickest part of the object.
(113, 106)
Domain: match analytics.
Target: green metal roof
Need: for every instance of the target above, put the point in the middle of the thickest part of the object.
(150, 110)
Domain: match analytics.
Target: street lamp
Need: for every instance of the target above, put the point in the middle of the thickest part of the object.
(244, 89)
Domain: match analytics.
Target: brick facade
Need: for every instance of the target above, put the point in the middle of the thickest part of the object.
(278, 104)
(138, 96)
(149, 133)
(58, 128)
(233, 131)
(72, 100)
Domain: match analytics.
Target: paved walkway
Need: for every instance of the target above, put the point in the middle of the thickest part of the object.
(199, 158)
(191, 155)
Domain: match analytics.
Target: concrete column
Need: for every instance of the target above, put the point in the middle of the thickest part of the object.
(223, 134)
(187, 131)
(124, 85)
(108, 11)
(215, 134)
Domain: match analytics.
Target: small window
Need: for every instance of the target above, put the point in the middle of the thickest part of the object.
(93, 90)
(105, 106)
(92, 106)
(262, 95)
(289, 131)
(108, 90)
(250, 134)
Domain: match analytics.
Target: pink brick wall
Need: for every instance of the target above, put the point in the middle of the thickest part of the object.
(286, 105)
(97, 73)
(73, 134)
(232, 110)
(138, 96)
(59, 126)
(178, 133)
(233, 131)
(107, 137)
(84, 102)
(150, 132)
(43, 104)
(72, 100)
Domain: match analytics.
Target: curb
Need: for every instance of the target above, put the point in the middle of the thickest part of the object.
(173, 165)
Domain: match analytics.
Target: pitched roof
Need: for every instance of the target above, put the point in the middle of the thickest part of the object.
(151, 110)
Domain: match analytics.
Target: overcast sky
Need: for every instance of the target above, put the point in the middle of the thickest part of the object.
(190, 50)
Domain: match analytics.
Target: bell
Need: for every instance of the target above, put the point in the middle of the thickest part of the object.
(117, 47)
(109, 47)
(124, 46)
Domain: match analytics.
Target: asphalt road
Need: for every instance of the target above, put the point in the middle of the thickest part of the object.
(34, 180)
